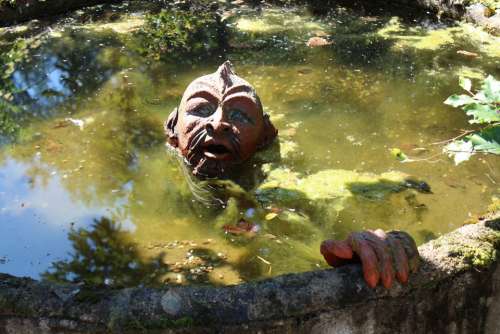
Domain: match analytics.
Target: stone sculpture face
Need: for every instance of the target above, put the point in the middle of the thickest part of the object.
(219, 123)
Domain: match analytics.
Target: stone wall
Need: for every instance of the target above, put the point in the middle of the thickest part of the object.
(457, 290)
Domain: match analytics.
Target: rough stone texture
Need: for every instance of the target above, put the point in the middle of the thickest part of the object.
(455, 9)
(493, 302)
(455, 291)
(477, 14)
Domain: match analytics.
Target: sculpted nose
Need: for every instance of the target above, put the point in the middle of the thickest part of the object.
(217, 127)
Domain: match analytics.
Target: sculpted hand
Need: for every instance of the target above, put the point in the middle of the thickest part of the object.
(384, 256)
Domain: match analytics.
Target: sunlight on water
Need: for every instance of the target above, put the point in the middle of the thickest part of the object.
(91, 187)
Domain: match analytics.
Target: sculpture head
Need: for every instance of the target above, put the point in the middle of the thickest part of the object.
(219, 123)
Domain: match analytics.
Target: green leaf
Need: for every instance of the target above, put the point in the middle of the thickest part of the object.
(479, 96)
(271, 215)
(459, 100)
(399, 155)
(482, 113)
(491, 89)
(465, 83)
(459, 150)
(487, 140)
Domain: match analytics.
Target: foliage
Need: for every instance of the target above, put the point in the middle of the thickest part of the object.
(484, 109)
(11, 3)
(9, 112)
(399, 155)
(106, 256)
(177, 32)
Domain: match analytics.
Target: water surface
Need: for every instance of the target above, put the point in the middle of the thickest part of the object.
(89, 190)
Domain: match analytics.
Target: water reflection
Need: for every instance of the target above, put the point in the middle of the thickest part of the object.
(74, 62)
(36, 214)
(104, 254)
(97, 157)
(50, 70)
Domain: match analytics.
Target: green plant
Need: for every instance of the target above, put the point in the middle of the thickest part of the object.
(11, 3)
(483, 107)
(178, 32)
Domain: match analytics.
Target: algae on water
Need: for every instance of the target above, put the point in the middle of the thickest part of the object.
(433, 39)
(329, 188)
(277, 21)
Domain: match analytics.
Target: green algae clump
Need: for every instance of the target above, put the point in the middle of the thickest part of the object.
(277, 21)
(331, 187)
(420, 39)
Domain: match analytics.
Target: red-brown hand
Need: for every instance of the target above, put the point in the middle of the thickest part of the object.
(384, 256)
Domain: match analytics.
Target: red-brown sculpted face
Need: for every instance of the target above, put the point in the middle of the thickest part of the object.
(219, 123)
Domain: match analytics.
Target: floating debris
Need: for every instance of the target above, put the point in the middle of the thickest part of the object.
(242, 227)
(314, 42)
(271, 215)
(468, 53)
(263, 260)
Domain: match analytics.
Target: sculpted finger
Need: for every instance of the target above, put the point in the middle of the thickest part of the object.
(335, 252)
(368, 259)
(378, 242)
(341, 248)
(410, 248)
(400, 258)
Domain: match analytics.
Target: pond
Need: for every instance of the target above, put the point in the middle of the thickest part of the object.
(89, 191)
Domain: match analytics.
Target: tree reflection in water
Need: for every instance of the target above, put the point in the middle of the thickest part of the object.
(106, 255)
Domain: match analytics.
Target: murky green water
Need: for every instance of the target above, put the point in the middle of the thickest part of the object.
(91, 187)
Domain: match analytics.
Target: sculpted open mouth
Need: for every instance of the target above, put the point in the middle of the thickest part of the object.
(217, 150)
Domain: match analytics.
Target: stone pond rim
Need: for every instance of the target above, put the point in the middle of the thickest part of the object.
(457, 290)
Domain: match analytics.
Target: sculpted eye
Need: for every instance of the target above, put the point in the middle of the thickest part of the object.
(204, 110)
(238, 115)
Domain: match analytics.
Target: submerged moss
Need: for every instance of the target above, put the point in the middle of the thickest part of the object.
(334, 186)
(430, 40)
(434, 39)
(282, 150)
(124, 25)
(494, 207)
(230, 215)
(277, 21)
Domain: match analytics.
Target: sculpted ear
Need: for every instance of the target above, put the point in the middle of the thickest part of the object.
(169, 127)
(269, 133)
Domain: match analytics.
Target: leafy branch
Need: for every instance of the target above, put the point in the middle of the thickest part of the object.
(484, 109)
